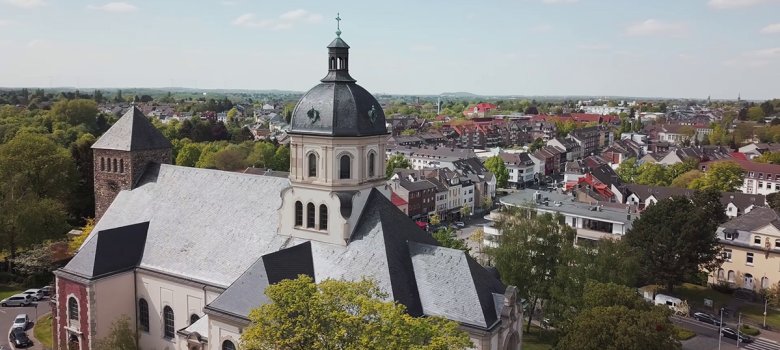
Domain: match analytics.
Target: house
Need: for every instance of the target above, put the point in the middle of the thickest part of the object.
(697, 154)
(417, 192)
(569, 147)
(480, 110)
(758, 178)
(185, 253)
(735, 203)
(592, 138)
(754, 150)
(550, 160)
(433, 157)
(751, 251)
(621, 150)
(520, 167)
(675, 133)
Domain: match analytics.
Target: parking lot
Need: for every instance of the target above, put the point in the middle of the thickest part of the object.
(7, 315)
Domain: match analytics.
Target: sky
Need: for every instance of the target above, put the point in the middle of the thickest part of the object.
(660, 48)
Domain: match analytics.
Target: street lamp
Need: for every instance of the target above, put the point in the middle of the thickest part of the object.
(765, 303)
(720, 328)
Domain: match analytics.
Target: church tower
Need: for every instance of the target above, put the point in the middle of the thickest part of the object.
(122, 154)
(337, 154)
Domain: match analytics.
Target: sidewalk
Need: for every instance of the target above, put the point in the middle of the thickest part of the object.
(37, 345)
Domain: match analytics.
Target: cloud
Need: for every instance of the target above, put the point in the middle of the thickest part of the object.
(559, 1)
(732, 4)
(286, 20)
(6, 22)
(654, 27)
(771, 29)
(756, 58)
(26, 3)
(542, 28)
(114, 7)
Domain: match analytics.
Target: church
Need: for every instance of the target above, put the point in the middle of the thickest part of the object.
(186, 253)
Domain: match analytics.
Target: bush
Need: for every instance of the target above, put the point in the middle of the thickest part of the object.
(749, 330)
(723, 287)
(7, 277)
(683, 334)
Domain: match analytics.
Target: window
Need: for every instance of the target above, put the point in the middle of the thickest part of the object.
(344, 167)
(727, 254)
(194, 318)
(371, 164)
(115, 166)
(102, 164)
(143, 314)
(310, 215)
(728, 235)
(168, 322)
(760, 184)
(751, 174)
(764, 283)
(731, 276)
(323, 217)
(228, 345)
(73, 309)
(721, 275)
(298, 213)
(749, 259)
(312, 165)
(777, 243)
(757, 240)
(122, 166)
(761, 176)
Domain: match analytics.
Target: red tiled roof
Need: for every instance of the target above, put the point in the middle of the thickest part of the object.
(738, 155)
(397, 200)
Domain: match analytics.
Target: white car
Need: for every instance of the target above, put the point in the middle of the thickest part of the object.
(21, 321)
(16, 300)
(35, 294)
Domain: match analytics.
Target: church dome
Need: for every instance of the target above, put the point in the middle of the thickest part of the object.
(338, 106)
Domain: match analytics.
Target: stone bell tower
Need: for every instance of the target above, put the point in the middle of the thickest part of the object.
(122, 154)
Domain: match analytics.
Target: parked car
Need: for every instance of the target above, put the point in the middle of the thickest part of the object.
(732, 334)
(19, 338)
(706, 318)
(21, 321)
(47, 290)
(35, 294)
(15, 300)
(459, 224)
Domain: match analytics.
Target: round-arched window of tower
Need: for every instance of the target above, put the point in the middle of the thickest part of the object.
(345, 164)
(312, 164)
(371, 164)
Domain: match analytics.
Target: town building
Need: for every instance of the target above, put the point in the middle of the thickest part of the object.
(758, 178)
(186, 253)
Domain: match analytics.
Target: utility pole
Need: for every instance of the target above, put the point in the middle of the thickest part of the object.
(739, 325)
(720, 328)
(766, 301)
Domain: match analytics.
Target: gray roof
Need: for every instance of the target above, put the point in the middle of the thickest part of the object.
(755, 219)
(110, 251)
(132, 132)
(189, 209)
(611, 212)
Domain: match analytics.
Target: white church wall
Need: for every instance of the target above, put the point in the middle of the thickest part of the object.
(220, 331)
(113, 299)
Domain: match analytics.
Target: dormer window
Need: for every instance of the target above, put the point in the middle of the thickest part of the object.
(757, 240)
(728, 235)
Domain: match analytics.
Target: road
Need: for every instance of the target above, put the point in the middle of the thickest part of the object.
(7, 315)
(707, 337)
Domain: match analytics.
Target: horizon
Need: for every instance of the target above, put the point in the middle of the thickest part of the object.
(564, 48)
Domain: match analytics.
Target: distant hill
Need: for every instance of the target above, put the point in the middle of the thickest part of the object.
(459, 94)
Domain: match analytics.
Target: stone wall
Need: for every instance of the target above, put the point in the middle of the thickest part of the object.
(62, 327)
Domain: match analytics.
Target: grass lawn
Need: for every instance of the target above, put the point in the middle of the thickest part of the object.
(695, 295)
(42, 332)
(7, 291)
(536, 339)
(756, 314)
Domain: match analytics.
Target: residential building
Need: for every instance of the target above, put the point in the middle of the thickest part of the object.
(419, 194)
(758, 178)
(592, 138)
(734, 203)
(520, 167)
(698, 154)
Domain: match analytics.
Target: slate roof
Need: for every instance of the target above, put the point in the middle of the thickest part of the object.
(132, 132)
(110, 251)
(755, 219)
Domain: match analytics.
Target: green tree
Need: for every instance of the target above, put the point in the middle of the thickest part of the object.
(262, 155)
(720, 176)
(76, 112)
(189, 155)
(675, 237)
(773, 199)
(653, 174)
(496, 166)
(435, 219)
(675, 170)
(409, 132)
(686, 179)
(627, 170)
(769, 157)
(231, 116)
(230, 159)
(536, 145)
(529, 252)
(343, 315)
(447, 238)
(755, 113)
(121, 337)
(396, 161)
(281, 160)
(565, 127)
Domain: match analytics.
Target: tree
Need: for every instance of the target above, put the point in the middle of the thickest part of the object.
(121, 337)
(409, 132)
(447, 238)
(478, 237)
(230, 159)
(723, 176)
(675, 237)
(755, 113)
(774, 200)
(675, 170)
(465, 210)
(75, 243)
(536, 145)
(75, 112)
(686, 179)
(343, 315)
(769, 157)
(82, 201)
(496, 166)
(262, 155)
(653, 174)
(188, 155)
(435, 219)
(281, 160)
(231, 116)
(396, 161)
(627, 170)
(35, 260)
(529, 252)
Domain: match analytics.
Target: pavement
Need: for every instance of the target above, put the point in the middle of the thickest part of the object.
(707, 337)
(7, 315)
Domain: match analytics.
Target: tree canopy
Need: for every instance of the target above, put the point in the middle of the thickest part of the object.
(396, 161)
(496, 166)
(343, 315)
(720, 176)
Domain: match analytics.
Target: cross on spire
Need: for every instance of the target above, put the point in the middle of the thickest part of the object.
(338, 25)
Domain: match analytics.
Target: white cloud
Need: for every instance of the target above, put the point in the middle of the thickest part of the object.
(652, 27)
(732, 4)
(771, 29)
(542, 28)
(285, 21)
(26, 3)
(756, 58)
(559, 1)
(114, 7)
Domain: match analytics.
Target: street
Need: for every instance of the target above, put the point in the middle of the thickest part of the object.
(7, 315)
(707, 337)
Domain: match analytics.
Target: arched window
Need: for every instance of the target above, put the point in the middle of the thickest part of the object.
(102, 164)
(332, 63)
(298, 213)
(168, 331)
(310, 215)
(73, 309)
(371, 164)
(122, 166)
(764, 283)
(344, 167)
(721, 275)
(194, 318)
(732, 276)
(115, 166)
(143, 314)
(312, 165)
(323, 217)
(228, 345)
